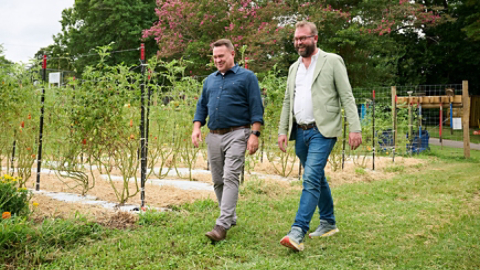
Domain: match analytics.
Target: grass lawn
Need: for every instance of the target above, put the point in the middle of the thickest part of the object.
(427, 219)
(456, 135)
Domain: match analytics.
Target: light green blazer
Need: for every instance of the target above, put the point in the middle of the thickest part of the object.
(330, 90)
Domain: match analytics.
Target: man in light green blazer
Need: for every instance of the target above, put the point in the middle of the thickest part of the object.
(317, 88)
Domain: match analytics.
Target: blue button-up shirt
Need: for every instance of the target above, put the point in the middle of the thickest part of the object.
(230, 100)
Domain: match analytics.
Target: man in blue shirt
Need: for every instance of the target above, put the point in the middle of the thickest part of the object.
(232, 101)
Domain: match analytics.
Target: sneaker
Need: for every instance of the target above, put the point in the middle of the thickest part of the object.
(324, 229)
(294, 239)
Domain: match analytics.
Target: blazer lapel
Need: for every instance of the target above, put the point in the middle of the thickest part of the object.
(320, 62)
(291, 87)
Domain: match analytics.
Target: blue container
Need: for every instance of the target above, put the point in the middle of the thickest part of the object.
(419, 143)
(385, 139)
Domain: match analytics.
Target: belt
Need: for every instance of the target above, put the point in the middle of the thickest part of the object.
(222, 131)
(308, 126)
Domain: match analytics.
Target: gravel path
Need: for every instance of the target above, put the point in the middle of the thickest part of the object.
(455, 144)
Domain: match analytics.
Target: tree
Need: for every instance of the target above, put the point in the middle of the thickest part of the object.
(188, 27)
(360, 31)
(3, 60)
(472, 21)
(90, 24)
(444, 54)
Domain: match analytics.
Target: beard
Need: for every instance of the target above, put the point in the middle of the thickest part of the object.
(309, 49)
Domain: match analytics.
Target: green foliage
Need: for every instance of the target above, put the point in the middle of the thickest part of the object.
(424, 219)
(3, 60)
(24, 243)
(446, 53)
(395, 168)
(360, 170)
(18, 120)
(472, 21)
(13, 199)
(90, 24)
(153, 217)
(187, 28)
(358, 31)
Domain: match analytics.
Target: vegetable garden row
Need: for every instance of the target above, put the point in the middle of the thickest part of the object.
(95, 122)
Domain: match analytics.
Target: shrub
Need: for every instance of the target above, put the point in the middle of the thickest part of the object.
(13, 200)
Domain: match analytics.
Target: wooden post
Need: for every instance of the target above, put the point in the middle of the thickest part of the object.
(441, 125)
(394, 93)
(394, 116)
(466, 119)
(410, 121)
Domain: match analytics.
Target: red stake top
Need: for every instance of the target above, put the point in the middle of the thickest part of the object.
(142, 51)
(373, 93)
(44, 66)
(395, 98)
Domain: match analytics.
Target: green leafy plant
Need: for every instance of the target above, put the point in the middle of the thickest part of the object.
(13, 199)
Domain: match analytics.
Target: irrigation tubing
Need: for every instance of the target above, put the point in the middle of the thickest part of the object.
(40, 136)
(143, 152)
(373, 130)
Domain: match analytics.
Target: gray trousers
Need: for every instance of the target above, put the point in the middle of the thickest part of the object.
(226, 154)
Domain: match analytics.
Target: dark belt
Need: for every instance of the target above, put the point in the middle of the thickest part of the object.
(222, 131)
(305, 127)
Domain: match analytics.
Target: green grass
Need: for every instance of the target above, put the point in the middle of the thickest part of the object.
(449, 154)
(456, 136)
(426, 220)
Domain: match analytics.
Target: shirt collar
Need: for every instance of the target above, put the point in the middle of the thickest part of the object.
(234, 69)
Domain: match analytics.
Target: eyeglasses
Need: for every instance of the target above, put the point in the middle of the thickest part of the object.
(302, 39)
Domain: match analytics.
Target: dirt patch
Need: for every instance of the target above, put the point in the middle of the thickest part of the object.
(46, 207)
(265, 181)
(385, 168)
(156, 196)
(119, 220)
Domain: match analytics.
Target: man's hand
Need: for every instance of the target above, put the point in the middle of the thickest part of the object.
(196, 134)
(252, 144)
(282, 142)
(354, 140)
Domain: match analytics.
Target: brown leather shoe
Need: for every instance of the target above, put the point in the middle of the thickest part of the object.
(217, 234)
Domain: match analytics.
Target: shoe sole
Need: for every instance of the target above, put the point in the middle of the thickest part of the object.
(329, 233)
(290, 244)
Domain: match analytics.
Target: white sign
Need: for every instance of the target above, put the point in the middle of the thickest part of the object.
(54, 77)
(457, 123)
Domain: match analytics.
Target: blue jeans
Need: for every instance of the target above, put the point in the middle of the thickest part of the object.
(313, 150)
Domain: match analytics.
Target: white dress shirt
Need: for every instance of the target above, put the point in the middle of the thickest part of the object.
(303, 106)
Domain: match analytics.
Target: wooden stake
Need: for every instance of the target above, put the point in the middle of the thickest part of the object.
(466, 120)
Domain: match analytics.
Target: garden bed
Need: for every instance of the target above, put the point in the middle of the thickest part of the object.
(161, 194)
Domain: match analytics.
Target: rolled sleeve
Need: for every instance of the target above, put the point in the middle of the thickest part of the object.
(202, 110)
(255, 100)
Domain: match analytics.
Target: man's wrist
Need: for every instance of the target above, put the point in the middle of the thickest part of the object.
(255, 132)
